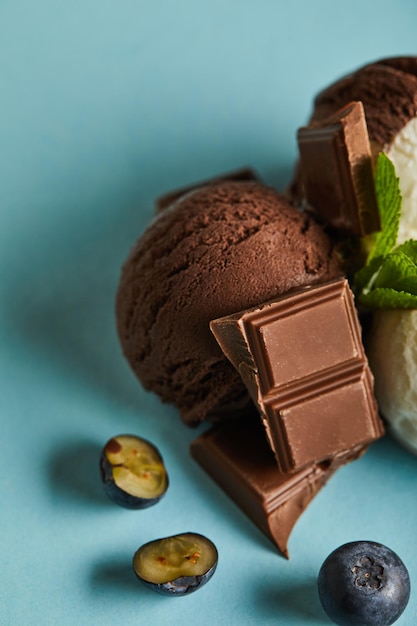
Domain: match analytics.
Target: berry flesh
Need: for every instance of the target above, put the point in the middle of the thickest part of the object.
(133, 472)
(176, 565)
(363, 583)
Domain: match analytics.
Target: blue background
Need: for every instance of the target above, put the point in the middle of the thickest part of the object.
(104, 106)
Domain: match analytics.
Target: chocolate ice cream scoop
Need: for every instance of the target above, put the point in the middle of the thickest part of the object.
(214, 251)
(388, 92)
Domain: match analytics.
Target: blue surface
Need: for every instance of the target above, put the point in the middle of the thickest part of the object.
(104, 106)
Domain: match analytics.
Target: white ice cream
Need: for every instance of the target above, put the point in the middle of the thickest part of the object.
(392, 346)
(403, 153)
(392, 353)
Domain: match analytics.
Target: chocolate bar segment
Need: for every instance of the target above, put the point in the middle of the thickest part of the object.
(237, 456)
(337, 171)
(302, 359)
(243, 174)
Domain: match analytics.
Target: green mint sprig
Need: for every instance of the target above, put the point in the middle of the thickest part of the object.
(388, 279)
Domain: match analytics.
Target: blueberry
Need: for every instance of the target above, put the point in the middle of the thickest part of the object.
(363, 583)
(176, 565)
(133, 472)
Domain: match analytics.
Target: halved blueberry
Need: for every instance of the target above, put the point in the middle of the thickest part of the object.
(363, 583)
(176, 565)
(133, 472)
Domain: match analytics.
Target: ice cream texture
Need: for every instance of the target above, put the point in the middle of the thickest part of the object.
(403, 154)
(216, 250)
(392, 352)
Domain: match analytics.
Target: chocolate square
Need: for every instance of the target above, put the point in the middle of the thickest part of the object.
(236, 455)
(336, 418)
(302, 336)
(302, 359)
(337, 171)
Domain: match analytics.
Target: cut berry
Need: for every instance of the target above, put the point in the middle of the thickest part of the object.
(363, 583)
(176, 565)
(133, 472)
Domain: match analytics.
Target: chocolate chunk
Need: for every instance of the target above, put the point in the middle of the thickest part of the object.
(243, 174)
(302, 360)
(337, 172)
(237, 456)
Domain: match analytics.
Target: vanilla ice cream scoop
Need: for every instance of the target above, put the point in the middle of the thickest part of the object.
(403, 154)
(392, 353)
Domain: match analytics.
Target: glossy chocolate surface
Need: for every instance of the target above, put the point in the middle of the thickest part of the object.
(237, 456)
(302, 359)
(337, 172)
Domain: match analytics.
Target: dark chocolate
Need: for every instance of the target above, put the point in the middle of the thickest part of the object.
(167, 199)
(302, 360)
(337, 171)
(237, 456)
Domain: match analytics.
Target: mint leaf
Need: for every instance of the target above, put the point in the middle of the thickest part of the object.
(389, 278)
(393, 284)
(409, 248)
(363, 277)
(389, 198)
(387, 271)
(386, 298)
(398, 272)
(408, 285)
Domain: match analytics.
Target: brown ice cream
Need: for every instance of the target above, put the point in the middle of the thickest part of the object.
(214, 251)
(388, 91)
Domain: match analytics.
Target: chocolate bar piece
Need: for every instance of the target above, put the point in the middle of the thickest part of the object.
(237, 456)
(243, 174)
(302, 360)
(337, 172)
